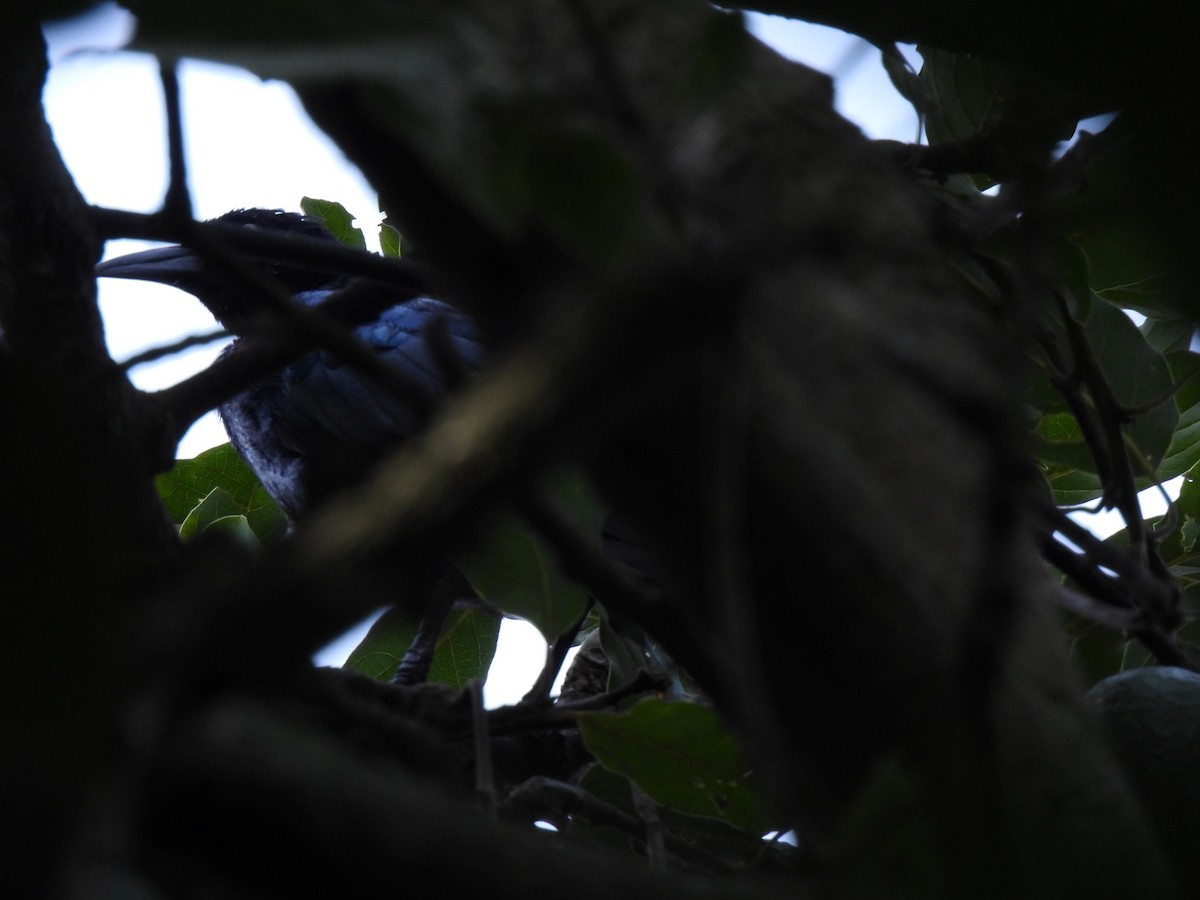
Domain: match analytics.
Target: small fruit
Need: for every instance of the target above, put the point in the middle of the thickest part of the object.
(1152, 717)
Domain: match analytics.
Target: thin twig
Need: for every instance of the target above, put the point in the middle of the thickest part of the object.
(527, 717)
(652, 826)
(1118, 479)
(1162, 398)
(1132, 584)
(485, 779)
(556, 654)
(548, 799)
(163, 350)
(177, 204)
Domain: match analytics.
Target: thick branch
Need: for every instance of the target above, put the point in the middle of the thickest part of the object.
(278, 809)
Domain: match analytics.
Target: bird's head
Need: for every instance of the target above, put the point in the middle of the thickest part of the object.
(225, 296)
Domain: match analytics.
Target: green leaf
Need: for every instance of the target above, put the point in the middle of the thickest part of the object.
(1071, 264)
(1188, 502)
(1141, 380)
(721, 843)
(682, 757)
(235, 526)
(515, 571)
(1071, 275)
(1060, 443)
(1183, 454)
(1179, 545)
(1189, 582)
(1073, 488)
(1099, 652)
(337, 219)
(1138, 375)
(192, 480)
(968, 93)
(390, 240)
(1168, 335)
(626, 658)
(464, 650)
(1130, 274)
(1127, 264)
(1184, 451)
(218, 510)
(1069, 469)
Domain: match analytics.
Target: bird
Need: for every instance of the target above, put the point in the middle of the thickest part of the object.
(311, 429)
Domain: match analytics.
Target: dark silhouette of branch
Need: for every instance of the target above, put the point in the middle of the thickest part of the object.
(177, 204)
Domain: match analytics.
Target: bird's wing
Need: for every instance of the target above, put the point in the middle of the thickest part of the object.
(325, 400)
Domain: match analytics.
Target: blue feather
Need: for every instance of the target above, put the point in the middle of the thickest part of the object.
(314, 428)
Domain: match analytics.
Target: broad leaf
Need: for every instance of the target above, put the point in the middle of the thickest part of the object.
(464, 651)
(708, 841)
(216, 511)
(1183, 454)
(1141, 381)
(626, 657)
(1139, 377)
(1060, 443)
(1099, 652)
(514, 570)
(965, 91)
(1126, 262)
(235, 526)
(192, 480)
(681, 756)
(390, 240)
(1168, 335)
(337, 219)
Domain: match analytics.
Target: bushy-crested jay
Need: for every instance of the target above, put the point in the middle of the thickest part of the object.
(311, 429)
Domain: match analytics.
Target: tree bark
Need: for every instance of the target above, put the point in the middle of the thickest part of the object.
(85, 531)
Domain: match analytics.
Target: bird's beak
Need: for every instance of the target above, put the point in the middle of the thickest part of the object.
(177, 266)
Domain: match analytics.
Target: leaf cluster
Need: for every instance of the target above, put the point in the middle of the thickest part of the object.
(1112, 357)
